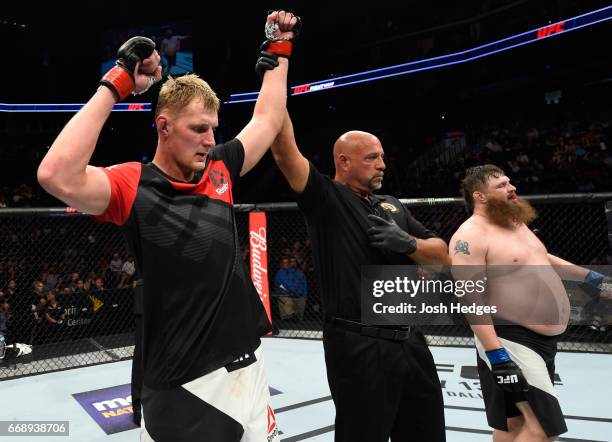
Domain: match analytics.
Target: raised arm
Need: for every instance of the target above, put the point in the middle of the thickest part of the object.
(64, 171)
(289, 158)
(270, 108)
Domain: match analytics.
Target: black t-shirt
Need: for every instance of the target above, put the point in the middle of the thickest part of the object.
(39, 309)
(337, 222)
(55, 312)
(200, 309)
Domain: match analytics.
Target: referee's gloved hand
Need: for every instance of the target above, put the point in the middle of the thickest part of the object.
(388, 235)
(265, 62)
(506, 373)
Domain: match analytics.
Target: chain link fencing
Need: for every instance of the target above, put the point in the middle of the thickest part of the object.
(67, 282)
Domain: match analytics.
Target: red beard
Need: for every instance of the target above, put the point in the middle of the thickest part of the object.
(509, 213)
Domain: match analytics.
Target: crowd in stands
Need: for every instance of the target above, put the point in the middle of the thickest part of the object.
(41, 297)
(568, 157)
(35, 306)
(21, 195)
(565, 153)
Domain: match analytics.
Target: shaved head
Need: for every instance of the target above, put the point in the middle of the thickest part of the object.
(359, 161)
(353, 140)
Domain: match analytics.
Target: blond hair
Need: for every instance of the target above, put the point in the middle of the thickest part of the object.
(176, 93)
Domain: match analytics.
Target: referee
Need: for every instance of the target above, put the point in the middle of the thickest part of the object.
(383, 380)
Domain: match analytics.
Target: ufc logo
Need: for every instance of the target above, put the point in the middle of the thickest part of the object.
(508, 379)
(552, 29)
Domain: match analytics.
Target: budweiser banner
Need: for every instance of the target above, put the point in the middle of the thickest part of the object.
(259, 257)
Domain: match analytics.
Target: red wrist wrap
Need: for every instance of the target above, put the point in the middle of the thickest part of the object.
(281, 48)
(120, 80)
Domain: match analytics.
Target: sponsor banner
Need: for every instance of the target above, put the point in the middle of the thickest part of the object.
(258, 244)
(111, 407)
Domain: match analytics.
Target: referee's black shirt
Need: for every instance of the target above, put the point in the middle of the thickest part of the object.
(337, 221)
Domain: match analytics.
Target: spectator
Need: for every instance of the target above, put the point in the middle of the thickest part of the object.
(10, 290)
(80, 286)
(127, 272)
(38, 291)
(3, 276)
(300, 287)
(285, 306)
(116, 265)
(98, 285)
(65, 295)
(103, 266)
(72, 281)
(4, 321)
(291, 289)
(39, 307)
(97, 295)
(23, 196)
(20, 306)
(169, 48)
(54, 314)
(90, 281)
(51, 278)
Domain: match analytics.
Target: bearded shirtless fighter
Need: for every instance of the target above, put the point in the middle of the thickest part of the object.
(515, 361)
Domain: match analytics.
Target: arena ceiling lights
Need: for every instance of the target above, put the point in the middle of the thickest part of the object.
(505, 44)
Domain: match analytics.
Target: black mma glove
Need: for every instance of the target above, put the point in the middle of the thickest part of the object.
(266, 62)
(507, 375)
(120, 79)
(388, 235)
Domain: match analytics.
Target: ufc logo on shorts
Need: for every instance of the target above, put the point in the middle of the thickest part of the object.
(508, 379)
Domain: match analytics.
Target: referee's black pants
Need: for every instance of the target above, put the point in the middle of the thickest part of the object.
(382, 388)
